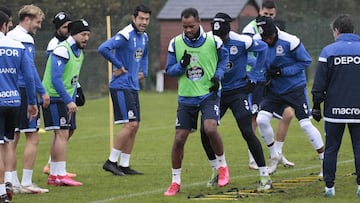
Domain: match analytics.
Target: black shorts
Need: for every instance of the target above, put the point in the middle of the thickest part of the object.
(187, 115)
(126, 105)
(8, 118)
(257, 96)
(297, 99)
(23, 124)
(237, 101)
(56, 117)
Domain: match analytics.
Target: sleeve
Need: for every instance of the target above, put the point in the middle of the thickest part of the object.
(251, 60)
(173, 67)
(260, 49)
(223, 58)
(31, 55)
(107, 47)
(29, 80)
(302, 61)
(56, 77)
(144, 64)
(249, 29)
(320, 81)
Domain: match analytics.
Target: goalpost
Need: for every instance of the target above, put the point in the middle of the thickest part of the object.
(111, 112)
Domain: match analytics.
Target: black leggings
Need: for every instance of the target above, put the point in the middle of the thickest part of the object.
(252, 141)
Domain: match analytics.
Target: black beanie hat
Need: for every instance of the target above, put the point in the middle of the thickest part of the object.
(220, 24)
(265, 26)
(222, 17)
(78, 26)
(61, 18)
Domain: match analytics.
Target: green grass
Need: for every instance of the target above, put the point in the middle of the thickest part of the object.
(89, 148)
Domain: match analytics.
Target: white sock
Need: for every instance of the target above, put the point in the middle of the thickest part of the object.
(49, 159)
(124, 160)
(273, 152)
(2, 189)
(278, 146)
(114, 155)
(8, 177)
(60, 167)
(221, 162)
(263, 171)
(176, 175)
(53, 168)
(213, 163)
(15, 179)
(27, 177)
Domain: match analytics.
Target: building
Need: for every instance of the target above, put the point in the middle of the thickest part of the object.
(241, 11)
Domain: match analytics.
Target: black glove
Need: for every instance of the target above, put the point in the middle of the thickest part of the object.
(216, 85)
(316, 113)
(250, 86)
(185, 59)
(80, 97)
(274, 71)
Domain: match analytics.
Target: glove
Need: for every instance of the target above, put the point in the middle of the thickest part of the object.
(185, 59)
(316, 113)
(216, 85)
(274, 71)
(250, 86)
(80, 97)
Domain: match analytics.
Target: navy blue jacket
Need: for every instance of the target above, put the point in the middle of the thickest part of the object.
(337, 80)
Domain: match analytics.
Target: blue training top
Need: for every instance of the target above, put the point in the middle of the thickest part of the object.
(239, 46)
(21, 35)
(14, 62)
(290, 55)
(131, 52)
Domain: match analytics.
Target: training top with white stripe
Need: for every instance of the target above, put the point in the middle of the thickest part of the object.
(12, 64)
(131, 52)
(337, 80)
(21, 35)
(239, 45)
(290, 55)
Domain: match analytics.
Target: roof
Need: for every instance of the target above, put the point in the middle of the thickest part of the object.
(207, 9)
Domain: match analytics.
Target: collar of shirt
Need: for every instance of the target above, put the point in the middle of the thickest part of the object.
(201, 35)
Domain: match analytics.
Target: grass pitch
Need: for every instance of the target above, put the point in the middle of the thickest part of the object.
(89, 148)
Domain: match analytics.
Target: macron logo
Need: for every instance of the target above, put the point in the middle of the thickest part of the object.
(59, 62)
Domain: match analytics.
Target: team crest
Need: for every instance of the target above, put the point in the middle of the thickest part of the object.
(229, 66)
(217, 25)
(62, 121)
(131, 114)
(74, 80)
(233, 50)
(279, 51)
(138, 54)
